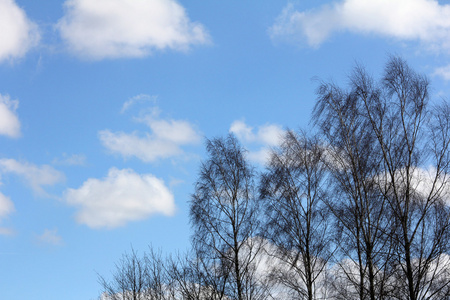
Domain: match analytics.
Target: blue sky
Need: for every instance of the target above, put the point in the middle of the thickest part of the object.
(105, 105)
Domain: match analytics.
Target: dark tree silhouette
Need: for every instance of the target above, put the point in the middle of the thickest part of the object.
(293, 192)
(359, 210)
(137, 278)
(390, 165)
(354, 163)
(224, 214)
(414, 140)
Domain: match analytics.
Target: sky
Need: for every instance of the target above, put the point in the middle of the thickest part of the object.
(105, 106)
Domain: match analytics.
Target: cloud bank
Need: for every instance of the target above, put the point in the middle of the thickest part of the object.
(127, 28)
(425, 21)
(18, 34)
(123, 196)
(9, 122)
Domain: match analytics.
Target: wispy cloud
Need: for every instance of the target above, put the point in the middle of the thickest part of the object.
(127, 28)
(123, 196)
(35, 176)
(6, 231)
(141, 98)
(165, 139)
(50, 237)
(9, 122)
(70, 160)
(18, 33)
(443, 72)
(6, 208)
(258, 140)
(425, 21)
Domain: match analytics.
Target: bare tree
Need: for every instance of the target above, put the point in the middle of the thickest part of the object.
(292, 193)
(137, 278)
(194, 278)
(414, 140)
(354, 162)
(224, 215)
(152, 277)
(129, 280)
(359, 211)
(390, 166)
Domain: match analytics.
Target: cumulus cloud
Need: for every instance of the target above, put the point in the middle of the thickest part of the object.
(50, 237)
(18, 33)
(425, 21)
(35, 176)
(262, 138)
(123, 196)
(127, 28)
(9, 122)
(164, 140)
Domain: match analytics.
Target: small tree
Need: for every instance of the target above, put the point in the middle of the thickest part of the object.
(194, 278)
(137, 278)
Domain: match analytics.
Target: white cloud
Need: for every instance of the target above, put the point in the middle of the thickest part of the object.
(425, 21)
(443, 72)
(50, 237)
(178, 132)
(6, 231)
(6, 206)
(9, 122)
(423, 182)
(137, 99)
(35, 176)
(263, 138)
(146, 148)
(164, 141)
(70, 160)
(127, 28)
(123, 196)
(260, 156)
(18, 33)
(269, 134)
